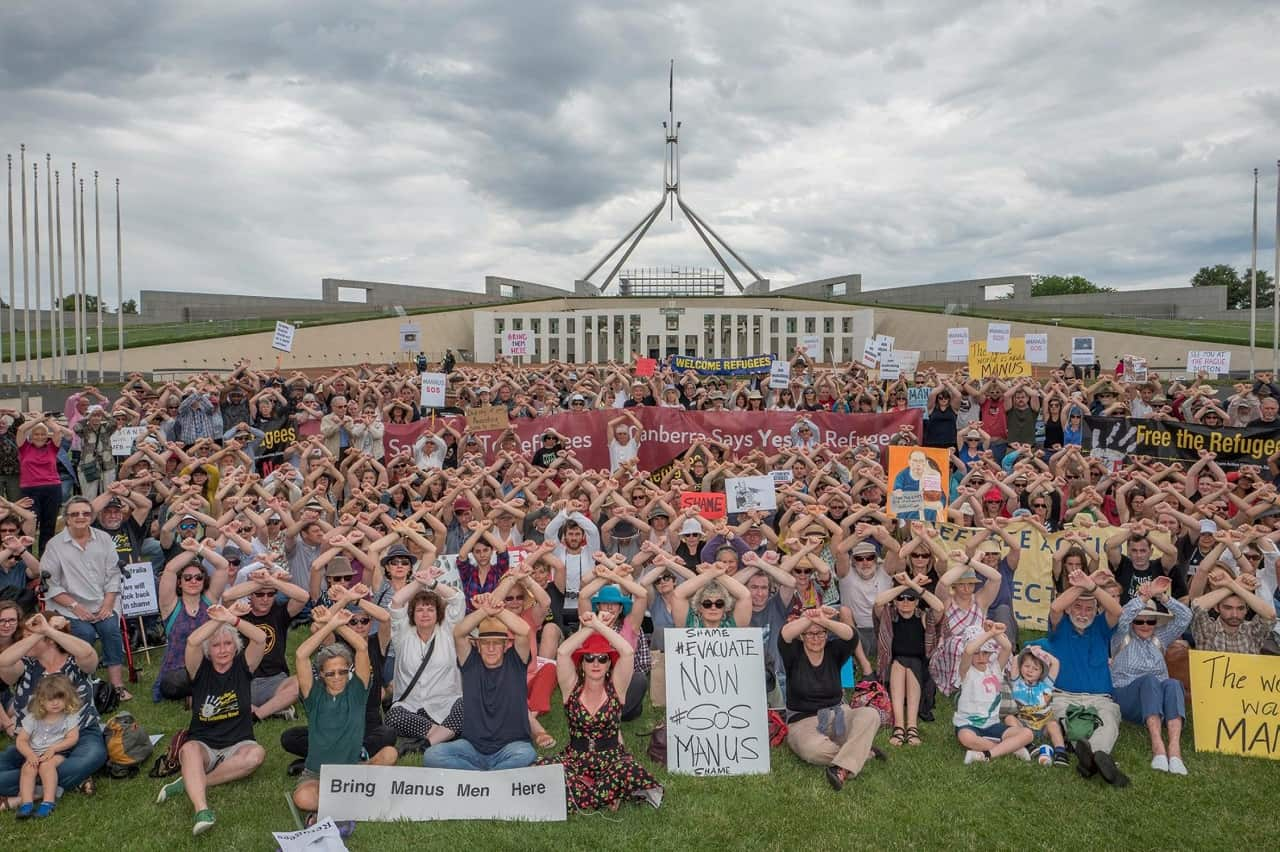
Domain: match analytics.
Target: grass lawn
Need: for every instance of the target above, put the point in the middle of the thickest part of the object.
(921, 798)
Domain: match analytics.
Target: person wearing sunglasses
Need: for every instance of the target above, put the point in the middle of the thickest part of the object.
(907, 636)
(185, 593)
(274, 689)
(524, 597)
(822, 729)
(966, 607)
(619, 601)
(594, 667)
(335, 714)
(712, 598)
(995, 546)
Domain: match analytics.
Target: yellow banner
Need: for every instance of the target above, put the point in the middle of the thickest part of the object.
(1011, 364)
(1236, 701)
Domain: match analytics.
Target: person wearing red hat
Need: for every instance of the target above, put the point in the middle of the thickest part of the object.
(594, 667)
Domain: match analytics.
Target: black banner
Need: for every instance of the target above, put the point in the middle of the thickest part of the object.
(1173, 440)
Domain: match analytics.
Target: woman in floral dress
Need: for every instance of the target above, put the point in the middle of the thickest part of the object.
(594, 667)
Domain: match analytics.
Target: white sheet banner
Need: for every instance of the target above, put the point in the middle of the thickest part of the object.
(138, 590)
(385, 793)
(1037, 348)
(1213, 362)
(433, 388)
(745, 493)
(717, 718)
(958, 344)
(517, 343)
(998, 337)
(283, 338)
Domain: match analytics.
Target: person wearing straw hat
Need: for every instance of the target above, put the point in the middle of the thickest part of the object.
(1140, 681)
(986, 546)
(492, 645)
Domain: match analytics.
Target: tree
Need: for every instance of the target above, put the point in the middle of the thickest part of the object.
(1237, 285)
(130, 306)
(1064, 285)
(69, 303)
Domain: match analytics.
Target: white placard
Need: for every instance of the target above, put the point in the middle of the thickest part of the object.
(433, 388)
(779, 374)
(783, 477)
(812, 346)
(870, 354)
(1037, 348)
(1139, 366)
(385, 793)
(958, 344)
(908, 359)
(1210, 361)
(517, 343)
(884, 344)
(410, 338)
(717, 718)
(283, 338)
(918, 397)
(998, 337)
(1082, 352)
(138, 590)
(890, 369)
(122, 439)
(321, 837)
(745, 493)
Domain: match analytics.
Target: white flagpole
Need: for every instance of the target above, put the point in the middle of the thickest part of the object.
(97, 250)
(35, 223)
(84, 292)
(61, 312)
(48, 206)
(1275, 288)
(1253, 282)
(119, 292)
(13, 337)
(26, 281)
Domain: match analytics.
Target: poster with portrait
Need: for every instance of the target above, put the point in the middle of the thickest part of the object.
(919, 480)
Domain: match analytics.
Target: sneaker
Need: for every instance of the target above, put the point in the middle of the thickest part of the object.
(972, 756)
(43, 810)
(289, 714)
(1060, 757)
(1023, 754)
(24, 811)
(346, 828)
(295, 769)
(204, 822)
(1109, 771)
(1176, 766)
(174, 788)
(1160, 763)
(836, 777)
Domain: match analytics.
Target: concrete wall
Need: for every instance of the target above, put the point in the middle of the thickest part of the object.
(823, 288)
(504, 288)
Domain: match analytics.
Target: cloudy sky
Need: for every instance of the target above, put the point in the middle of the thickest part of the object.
(264, 145)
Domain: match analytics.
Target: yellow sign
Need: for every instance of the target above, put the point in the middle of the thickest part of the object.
(1008, 365)
(1236, 701)
(487, 418)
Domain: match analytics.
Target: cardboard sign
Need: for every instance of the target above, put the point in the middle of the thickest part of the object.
(138, 590)
(745, 493)
(1082, 354)
(1004, 365)
(433, 390)
(517, 343)
(890, 369)
(1037, 347)
(410, 338)
(717, 719)
(711, 504)
(385, 793)
(283, 338)
(908, 359)
(487, 417)
(998, 337)
(1213, 362)
(646, 367)
(780, 375)
(122, 440)
(812, 346)
(321, 837)
(916, 475)
(957, 344)
(918, 397)
(1236, 702)
(870, 354)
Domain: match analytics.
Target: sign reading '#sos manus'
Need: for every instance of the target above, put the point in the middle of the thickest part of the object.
(384, 793)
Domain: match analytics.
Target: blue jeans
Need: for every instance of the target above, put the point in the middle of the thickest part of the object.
(460, 754)
(86, 758)
(1151, 695)
(108, 630)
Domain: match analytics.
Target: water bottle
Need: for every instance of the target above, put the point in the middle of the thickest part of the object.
(1044, 755)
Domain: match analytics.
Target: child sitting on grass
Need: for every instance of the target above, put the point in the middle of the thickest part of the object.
(1032, 690)
(50, 729)
(977, 717)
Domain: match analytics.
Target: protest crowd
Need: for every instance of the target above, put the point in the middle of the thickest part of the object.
(453, 570)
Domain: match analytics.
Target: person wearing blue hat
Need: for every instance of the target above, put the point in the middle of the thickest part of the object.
(613, 598)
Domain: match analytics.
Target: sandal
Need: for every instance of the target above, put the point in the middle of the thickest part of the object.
(913, 737)
(123, 694)
(544, 740)
(898, 737)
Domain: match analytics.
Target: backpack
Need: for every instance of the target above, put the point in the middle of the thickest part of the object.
(777, 729)
(167, 764)
(105, 698)
(658, 744)
(870, 693)
(127, 745)
(1080, 722)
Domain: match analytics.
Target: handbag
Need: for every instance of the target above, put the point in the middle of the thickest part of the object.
(426, 658)
(89, 470)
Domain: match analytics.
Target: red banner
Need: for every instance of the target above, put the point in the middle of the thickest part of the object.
(668, 432)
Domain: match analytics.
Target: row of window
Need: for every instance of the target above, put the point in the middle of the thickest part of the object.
(792, 324)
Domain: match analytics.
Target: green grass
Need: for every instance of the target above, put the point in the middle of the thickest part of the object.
(921, 798)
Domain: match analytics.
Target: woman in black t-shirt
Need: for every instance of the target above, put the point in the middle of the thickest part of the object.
(823, 730)
(220, 745)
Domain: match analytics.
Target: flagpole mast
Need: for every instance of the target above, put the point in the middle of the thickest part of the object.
(119, 292)
(13, 338)
(1275, 288)
(35, 224)
(97, 250)
(75, 273)
(26, 280)
(1253, 282)
(61, 311)
(48, 202)
(84, 292)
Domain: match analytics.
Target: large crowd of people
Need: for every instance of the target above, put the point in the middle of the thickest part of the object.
(448, 589)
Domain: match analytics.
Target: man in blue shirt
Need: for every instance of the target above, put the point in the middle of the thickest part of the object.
(1081, 621)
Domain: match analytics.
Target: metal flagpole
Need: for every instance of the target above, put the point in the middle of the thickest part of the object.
(119, 292)
(97, 250)
(75, 278)
(1275, 288)
(48, 206)
(26, 281)
(13, 337)
(35, 223)
(61, 312)
(1253, 281)
(84, 293)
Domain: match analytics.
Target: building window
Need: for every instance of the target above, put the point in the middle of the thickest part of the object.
(810, 325)
(499, 325)
(673, 322)
(828, 325)
(554, 325)
(846, 325)
(791, 325)
(535, 325)
(517, 324)
(570, 326)
(773, 325)
(838, 289)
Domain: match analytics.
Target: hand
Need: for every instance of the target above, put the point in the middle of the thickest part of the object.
(220, 613)
(38, 625)
(1161, 586)
(1080, 580)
